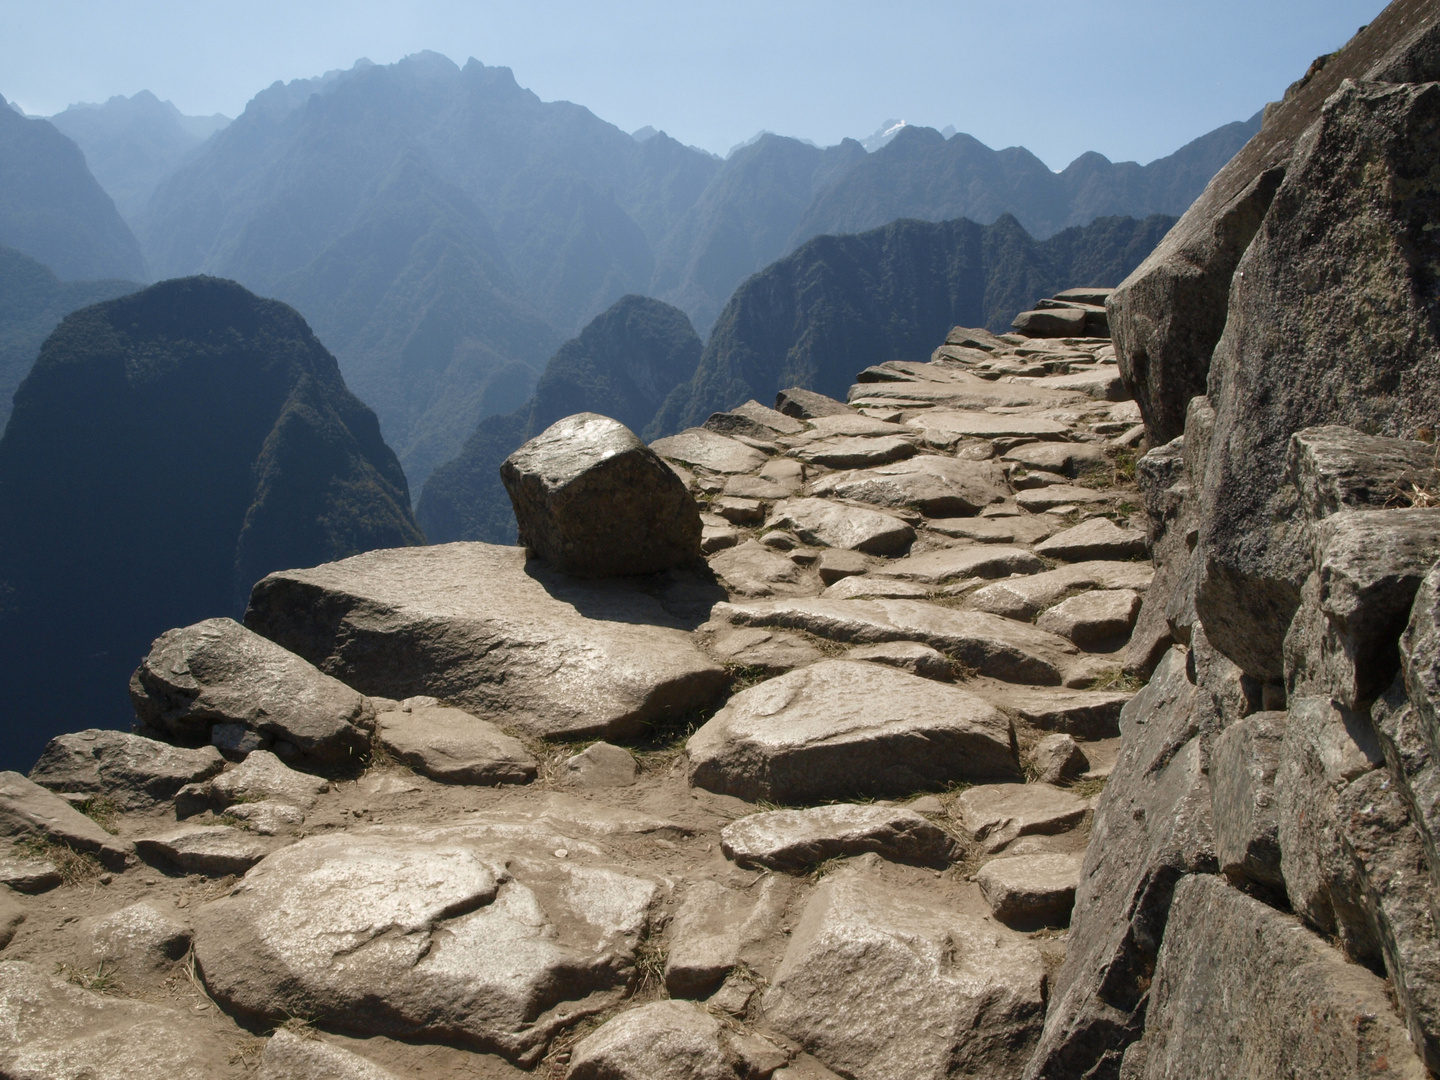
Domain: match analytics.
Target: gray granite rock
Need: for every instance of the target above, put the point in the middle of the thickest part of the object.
(708, 450)
(837, 563)
(1098, 538)
(213, 850)
(856, 451)
(839, 728)
(1066, 458)
(664, 1040)
(264, 776)
(1007, 530)
(1054, 496)
(995, 815)
(267, 817)
(595, 501)
(752, 569)
(452, 746)
(1057, 758)
(1030, 891)
(772, 652)
(938, 993)
(799, 839)
(137, 939)
(936, 486)
(12, 915)
(1244, 762)
(754, 420)
(601, 765)
(27, 809)
(718, 928)
(294, 1057)
(1026, 597)
(952, 563)
(808, 405)
(832, 524)
(28, 875)
(1099, 620)
(908, 656)
(134, 772)
(963, 423)
(474, 625)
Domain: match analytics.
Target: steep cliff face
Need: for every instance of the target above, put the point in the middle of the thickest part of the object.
(1278, 782)
(167, 450)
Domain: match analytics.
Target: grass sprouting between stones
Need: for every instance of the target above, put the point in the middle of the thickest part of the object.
(75, 867)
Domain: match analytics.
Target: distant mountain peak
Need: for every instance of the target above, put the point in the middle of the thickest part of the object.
(883, 134)
(646, 132)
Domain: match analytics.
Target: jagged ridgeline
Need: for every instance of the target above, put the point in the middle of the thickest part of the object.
(622, 365)
(842, 303)
(167, 450)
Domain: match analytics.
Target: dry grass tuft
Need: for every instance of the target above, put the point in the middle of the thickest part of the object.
(76, 868)
(101, 979)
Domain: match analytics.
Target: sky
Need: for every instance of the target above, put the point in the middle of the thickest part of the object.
(1133, 79)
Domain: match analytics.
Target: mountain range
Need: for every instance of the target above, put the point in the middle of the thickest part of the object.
(168, 449)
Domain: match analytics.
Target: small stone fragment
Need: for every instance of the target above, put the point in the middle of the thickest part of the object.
(215, 850)
(665, 1040)
(1029, 891)
(454, 747)
(837, 563)
(267, 817)
(602, 765)
(1057, 758)
(1093, 620)
(995, 814)
(292, 1057)
(29, 875)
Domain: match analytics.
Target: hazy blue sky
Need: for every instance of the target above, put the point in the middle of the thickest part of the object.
(1131, 79)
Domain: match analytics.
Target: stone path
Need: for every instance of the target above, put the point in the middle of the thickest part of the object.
(919, 601)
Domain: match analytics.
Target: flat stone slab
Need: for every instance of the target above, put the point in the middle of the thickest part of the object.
(217, 672)
(478, 627)
(772, 651)
(875, 587)
(994, 646)
(293, 1057)
(29, 875)
(884, 985)
(755, 487)
(1038, 500)
(832, 524)
(267, 817)
(134, 772)
(841, 728)
(1098, 538)
(708, 450)
(1020, 529)
(962, 391)
(752, 569)
(718, 928)
(51, 1030)
(996, 814)
(856, 451)
(983, 425)
(1085, 714)
(799, 839)
(1030, 891)
(264, 776)
(977, 560)
(908, 656)
(1026, 597)
(454, 747)
(479, 933)
(1066, 458)
(937, 486)
(27, 809)
(671, 1040)
(213, 850)
(1095, 618)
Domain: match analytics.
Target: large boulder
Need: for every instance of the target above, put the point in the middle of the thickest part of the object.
(595, 501)
(1340, 270)
(881, 986)
(477, 932)
(133, 772)
(475, 625)
(218, 672)
(1167, 316)
(1245, 992)
(842, 728)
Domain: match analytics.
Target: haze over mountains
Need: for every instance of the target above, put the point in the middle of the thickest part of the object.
(443, 230)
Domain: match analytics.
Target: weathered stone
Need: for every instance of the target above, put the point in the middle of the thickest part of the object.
(1382, 349)
(1389, 861)
(739, 511)
(1006, 530)
(808, 405)
(856, 451)
(136, 939)
(994, 815)
(476, 932)
(831, 524)
(1243, 765)
(1151, 827)
(917, 385)
(1022, 480)
(707, 450)
(991, 645)
(1091, 671)
(752, 569)
(936, 486)
(217, 671)
(718, 928)
(29, 875)
(715, 538)
(1325, 747)
(12, 915)
(1093, 620)
(908, 656)
(664, 1040)
(602, 765)
(754, 420)
(1098, 538)
(977, 560)
(1067, 458)
(1057, 758)
(214, 850)
(51, 1030)
(1087, 714)
(1026, 597)
(755, 488)
(870, 586)
(799, 839)
(1051, 322)
(837, 563)
(264, 776)
(839, 728)
(134, 772)
(963, 423)
(267, 817)
(27, 809)
(938, 994)
(1029, 891)
(1086, 295)
(452, 746)
(772, 651)
(474, 625)
(1039, 500)
(1244, 991)
(1335, 468)
(293, 1057)
(1102, 384)
(595, 501)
